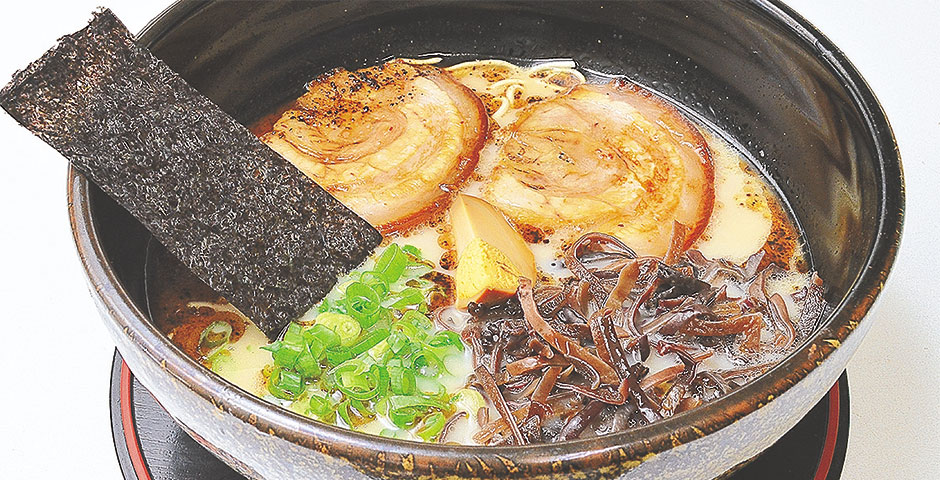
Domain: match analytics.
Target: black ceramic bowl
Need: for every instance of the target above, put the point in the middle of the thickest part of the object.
(756, 70)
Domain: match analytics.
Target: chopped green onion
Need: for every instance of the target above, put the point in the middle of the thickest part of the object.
(294, 334)
(412, 250)
(468, 400)
(308, 365)
(337, 355)
(380, 352)
(402, 380)
(382, 378)
(408, 352)
(404, 410)
(299, 405)
(356, 382)
(343, 410)
(215, 335)
(220, 361)
(354, 413)
(417, 320)
(327, 337)
(285, 384)
(428, 361)
(397, 340)
(284, 354)
(362, 303)
(356, 388)
(391, 264)
(345, 326)
(407, 297)
(368, 341)
(375, 282)
(418, 268)
(383, 318)
(405, 417)
(407, 329)
(362, 408)
(432, 425)
(315, 348)
(354, 366)
(446, 338)
(381, 406)
(320, 406)
(380, 349)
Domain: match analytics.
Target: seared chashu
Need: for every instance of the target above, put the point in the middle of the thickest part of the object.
(393, 142)
(611, 158)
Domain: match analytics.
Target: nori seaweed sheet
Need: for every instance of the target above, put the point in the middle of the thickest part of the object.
(240, 216)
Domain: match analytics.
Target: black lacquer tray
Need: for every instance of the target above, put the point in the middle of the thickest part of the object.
(151, 446)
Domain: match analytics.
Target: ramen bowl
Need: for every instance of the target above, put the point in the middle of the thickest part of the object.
(756, 71)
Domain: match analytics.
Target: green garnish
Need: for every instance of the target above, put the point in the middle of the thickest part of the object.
(408, 297)
(402, 380)
(431, 426)
(391, 264)
(344, 326)
(369, 340)
(468, 400)
(320, 406)
(285, 384)
(444, 339)
(371, 351)
(327, 337)
(215, 335)
(362, 303)
(338, 355)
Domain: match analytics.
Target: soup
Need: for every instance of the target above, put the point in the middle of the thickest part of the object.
(566, 255)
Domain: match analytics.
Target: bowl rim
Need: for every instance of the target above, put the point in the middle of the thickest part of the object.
(633, 445)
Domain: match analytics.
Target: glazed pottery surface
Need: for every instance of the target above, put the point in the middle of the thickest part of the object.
(754, 70)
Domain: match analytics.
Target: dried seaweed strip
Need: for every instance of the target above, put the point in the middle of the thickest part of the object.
(241, 217)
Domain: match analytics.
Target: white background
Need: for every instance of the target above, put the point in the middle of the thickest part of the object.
(56, 355)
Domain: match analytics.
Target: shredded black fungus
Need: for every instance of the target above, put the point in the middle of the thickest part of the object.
(566, 360)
